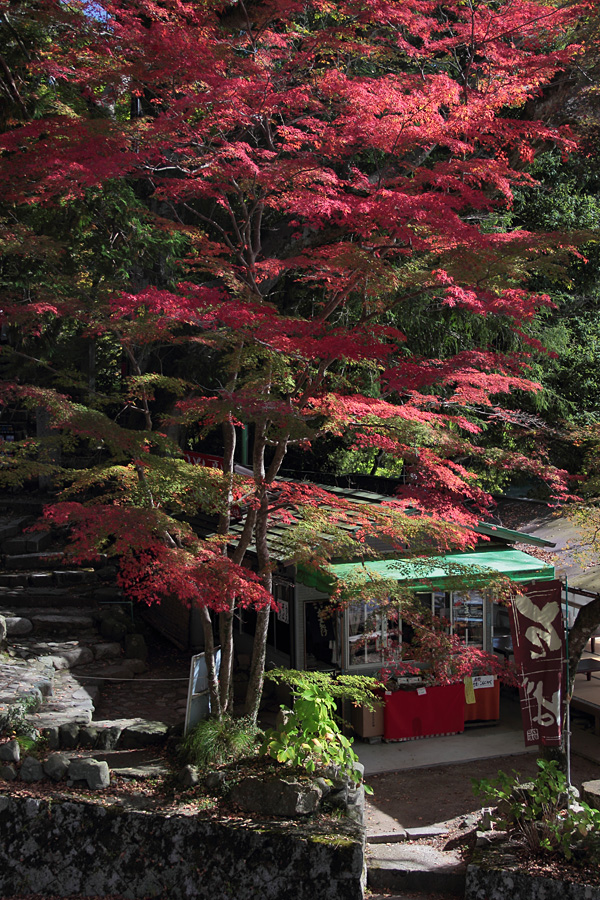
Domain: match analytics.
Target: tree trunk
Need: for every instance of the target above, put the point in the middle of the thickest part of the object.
(257, 667)
(209, 656)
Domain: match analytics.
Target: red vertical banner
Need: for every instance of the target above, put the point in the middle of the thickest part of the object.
(539, 648)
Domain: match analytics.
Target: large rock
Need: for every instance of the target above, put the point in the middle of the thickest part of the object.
(189, 776)
(88, 736)
(147, 734)
(10, 752)
(109, 650)
(94, 772)
(590, 792)
(112, 629)
(135, 647)
(52, 736)
(2, 630)
(69, 735)
(108, 737)
(8, 772)
(31, 769)
(277, 797)
(56, 766)
(18, 625)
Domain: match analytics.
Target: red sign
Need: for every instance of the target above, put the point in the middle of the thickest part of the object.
(539, 648)
(203, 459)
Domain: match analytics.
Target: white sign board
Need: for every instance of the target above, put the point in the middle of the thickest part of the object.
(198, 700)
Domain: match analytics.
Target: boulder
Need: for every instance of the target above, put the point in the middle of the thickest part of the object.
(88, 736)
(147, 734)
(135, 647)
(108, 738)
(51, 734)
(2, 630)
(590, 793)
(10, 752)
(56, 766)
(276, 797)
(69, 735)
(95, 773)
(17, 625)
(109, 650)
(112, 629)
(31, 769)
(8, 772)
(215, 781)
(189, 776)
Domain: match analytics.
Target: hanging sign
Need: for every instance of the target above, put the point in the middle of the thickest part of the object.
(539, 648)
(203, 459)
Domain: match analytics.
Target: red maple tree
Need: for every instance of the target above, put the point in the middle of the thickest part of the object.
(324, 165)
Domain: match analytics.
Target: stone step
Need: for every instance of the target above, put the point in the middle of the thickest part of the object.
(27, 542)
(104, 735)
(416, 868)
(48, 579)
(71, 654)
(29, 561)
(58, 598)
(19, 678)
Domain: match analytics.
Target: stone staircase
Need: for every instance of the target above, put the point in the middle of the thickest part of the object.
(67, 632)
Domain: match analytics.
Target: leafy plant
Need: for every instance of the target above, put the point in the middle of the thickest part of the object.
(214, 742)
(544, 813)
(13, 722)
(310, 736)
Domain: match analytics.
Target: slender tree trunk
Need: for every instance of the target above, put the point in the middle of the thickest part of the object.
(259, 647)
(209, 656)
(226, 618)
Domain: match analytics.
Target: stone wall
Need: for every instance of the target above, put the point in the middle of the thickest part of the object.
(485, 883)
(61, 848)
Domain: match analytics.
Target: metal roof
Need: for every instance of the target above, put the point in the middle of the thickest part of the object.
(435, 571)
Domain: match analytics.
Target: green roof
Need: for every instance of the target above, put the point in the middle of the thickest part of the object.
(435, 570)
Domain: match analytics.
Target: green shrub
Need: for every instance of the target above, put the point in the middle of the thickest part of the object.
(214, 742)
(310, 736)
(13, 722)
(544, 813)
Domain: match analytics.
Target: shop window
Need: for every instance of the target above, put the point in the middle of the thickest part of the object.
(463, 611)
(467, 609)
(374, 637)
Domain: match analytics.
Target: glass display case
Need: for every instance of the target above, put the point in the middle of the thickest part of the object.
(468, 617)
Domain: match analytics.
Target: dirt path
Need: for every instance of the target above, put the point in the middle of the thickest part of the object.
(418, 797)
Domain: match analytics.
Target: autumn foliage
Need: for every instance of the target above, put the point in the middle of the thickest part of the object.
(285, 179)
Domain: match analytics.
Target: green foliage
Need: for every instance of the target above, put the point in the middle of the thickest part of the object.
(14, 724)
(310, 736)
(543, 814)
(214, 742)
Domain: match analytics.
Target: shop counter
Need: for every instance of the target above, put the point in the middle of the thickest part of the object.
(486, 704)
(424, 712)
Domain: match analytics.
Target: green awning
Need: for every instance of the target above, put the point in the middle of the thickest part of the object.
(435, 570)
